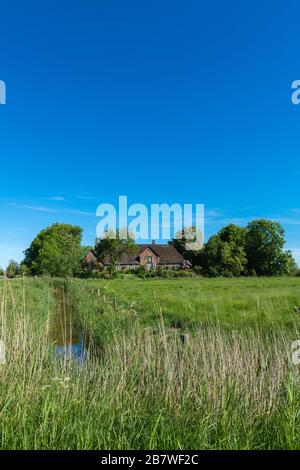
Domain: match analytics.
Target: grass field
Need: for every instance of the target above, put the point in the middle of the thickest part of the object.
(231, 385)
(232, 302)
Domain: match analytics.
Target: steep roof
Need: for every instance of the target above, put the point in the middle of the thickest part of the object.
(123, 259)
(167, 254)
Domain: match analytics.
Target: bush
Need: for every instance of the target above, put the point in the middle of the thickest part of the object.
(101, 274)
(13, 269)
(198, 270)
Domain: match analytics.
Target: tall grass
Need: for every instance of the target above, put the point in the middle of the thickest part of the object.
(219, 390)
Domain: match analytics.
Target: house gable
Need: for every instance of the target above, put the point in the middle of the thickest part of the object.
(148, 258)
(91, 260)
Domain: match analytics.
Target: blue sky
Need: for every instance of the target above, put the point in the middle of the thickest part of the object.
(162, 101)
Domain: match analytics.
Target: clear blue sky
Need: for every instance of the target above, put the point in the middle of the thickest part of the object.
(163, 101)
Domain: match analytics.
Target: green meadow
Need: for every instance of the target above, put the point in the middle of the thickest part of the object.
(190, 302)
(163, 364)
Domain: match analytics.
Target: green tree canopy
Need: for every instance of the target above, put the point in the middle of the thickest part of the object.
(265, 249)
(224, 254)
(188, 242)
(113, 245)
(56, 251)
(84, 250)
(13, 269)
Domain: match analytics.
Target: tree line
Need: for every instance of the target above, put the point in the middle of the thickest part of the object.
(255, 250)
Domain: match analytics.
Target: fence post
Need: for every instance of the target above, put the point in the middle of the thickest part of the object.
(184, 338)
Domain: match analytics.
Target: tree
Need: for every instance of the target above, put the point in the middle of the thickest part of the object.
(23, 270)
(56, 251)
(13, 269)
(84, 250)
(85, 266)
(265, 249)
(224, 254)
(188, 242)
(112, 245)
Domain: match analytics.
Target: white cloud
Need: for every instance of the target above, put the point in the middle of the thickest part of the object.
(216, 217)
(78, 212)
(56, 198)
(51, 210)
(31, 207)
(85, 196)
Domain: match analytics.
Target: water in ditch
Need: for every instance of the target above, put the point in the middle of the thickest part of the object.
(66, 333)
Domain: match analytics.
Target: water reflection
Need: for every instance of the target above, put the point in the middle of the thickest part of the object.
(66, 333)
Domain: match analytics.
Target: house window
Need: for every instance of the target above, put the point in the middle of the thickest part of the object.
(149, 259)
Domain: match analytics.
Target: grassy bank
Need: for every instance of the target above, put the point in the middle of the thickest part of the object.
(223, 389)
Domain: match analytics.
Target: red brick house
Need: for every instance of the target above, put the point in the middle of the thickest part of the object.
(151, 256)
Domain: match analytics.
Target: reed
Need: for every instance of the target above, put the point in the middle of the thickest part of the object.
(221, 389)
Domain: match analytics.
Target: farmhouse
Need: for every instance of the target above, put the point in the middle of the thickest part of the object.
(151, 256)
